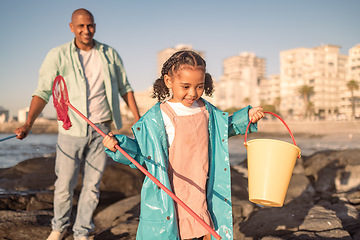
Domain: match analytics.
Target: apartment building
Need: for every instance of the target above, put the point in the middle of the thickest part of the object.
(4, 115)
(165, 54)
(269, 91)
(353, 74)
(323, 68)
(239, 84)
(22, 114)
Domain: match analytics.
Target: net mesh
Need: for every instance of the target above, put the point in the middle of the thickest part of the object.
(61, 101)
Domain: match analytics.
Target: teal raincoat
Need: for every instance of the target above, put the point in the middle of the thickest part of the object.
(157, 217)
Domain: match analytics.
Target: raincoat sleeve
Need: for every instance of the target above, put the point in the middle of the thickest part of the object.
(238, 122)
(130, 146)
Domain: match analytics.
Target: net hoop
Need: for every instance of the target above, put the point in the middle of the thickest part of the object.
(61, 101)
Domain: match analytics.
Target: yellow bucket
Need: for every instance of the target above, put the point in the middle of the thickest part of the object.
(270, 166)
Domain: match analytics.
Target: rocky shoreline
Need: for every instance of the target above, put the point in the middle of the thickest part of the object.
(322, 202)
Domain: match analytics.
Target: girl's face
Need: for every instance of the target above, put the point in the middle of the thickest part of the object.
(187, 85)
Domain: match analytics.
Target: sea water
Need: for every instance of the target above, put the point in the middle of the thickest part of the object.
(13, 151)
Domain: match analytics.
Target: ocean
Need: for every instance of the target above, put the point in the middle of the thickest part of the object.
(13, 151)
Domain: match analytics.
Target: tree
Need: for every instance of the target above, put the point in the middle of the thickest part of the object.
(306, 91)
(352, 85)
(310, 108)
(246, 101)
(277, 102)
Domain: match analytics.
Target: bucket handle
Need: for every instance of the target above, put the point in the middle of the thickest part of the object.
(292, 136)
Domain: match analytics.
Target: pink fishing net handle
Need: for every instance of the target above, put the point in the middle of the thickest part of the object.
(287, 127)
(141, 168)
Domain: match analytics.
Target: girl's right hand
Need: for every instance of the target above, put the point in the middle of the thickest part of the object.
(110, 141)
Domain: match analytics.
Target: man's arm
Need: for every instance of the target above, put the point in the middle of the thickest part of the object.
(36, 107)
(130, 101)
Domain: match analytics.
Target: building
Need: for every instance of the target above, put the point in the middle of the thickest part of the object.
(353, 74)
(322, 68)
(22, 115)
(146, 100)
(165, 54)
(269, 93)
(4, 115)
(239, 84)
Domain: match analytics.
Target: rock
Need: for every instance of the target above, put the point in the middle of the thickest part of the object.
(334, 169)
(121, 217)
(313, 191)
(37, 175)
(122, 179)
(34, 174)
(348, 178)
(299, 190)
(319, 219)
(24, 225)
(347, 213)
(324, 223)
(322, 202)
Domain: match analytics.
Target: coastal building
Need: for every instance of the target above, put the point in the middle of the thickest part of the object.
(269, 93)
(22, 114)
(353, 74)
(324, 69)
(239, 84)
(4, 115)
(164, 55)
(146, 100)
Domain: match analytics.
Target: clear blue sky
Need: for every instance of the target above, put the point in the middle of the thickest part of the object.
(140, 29)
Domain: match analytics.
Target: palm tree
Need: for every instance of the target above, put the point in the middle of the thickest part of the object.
(246, 101)
(352, 85)
(310, 108)
(277, 102)
(306, 91)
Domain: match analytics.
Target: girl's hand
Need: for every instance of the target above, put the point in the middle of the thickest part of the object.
(255, 114)
(110, 141)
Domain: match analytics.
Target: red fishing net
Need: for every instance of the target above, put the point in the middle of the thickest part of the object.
(61, 101)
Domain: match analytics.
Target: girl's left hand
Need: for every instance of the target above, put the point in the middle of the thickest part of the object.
(255, 114)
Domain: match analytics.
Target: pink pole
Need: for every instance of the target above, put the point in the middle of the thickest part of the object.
(157, 182)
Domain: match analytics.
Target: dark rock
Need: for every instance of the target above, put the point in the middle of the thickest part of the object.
(24, 225)
(34, 174)
(120, 218)
(322, 202)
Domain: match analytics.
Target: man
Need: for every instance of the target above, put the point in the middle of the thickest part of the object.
(95, 76)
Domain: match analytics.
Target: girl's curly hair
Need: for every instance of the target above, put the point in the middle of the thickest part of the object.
(181, 59)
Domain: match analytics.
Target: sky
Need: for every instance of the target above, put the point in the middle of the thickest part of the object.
(138, 30)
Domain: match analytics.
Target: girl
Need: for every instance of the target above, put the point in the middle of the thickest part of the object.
(183, 142)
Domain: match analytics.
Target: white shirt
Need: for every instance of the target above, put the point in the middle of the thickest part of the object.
(97, 104)
(180, 110)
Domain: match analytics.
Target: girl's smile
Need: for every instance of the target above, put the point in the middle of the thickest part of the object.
(187, 85)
